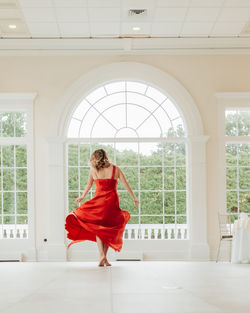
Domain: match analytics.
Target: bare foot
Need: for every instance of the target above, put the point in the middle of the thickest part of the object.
(102, 261)
(106, 262)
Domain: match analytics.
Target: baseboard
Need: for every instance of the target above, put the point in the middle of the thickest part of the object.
(11, 256)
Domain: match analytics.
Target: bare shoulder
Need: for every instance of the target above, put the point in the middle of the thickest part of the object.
(117, 171)
(120, 172)
(92, 173)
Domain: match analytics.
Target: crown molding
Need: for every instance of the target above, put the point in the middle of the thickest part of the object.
(17, 98)
(232, 95)
(117, 46)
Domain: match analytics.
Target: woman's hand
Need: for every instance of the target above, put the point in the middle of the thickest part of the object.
(136, 202)
(78, 200)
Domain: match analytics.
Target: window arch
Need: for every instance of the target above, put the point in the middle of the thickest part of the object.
(144, 133)
(116, 106)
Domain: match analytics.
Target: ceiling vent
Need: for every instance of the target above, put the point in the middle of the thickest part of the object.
(137, 12)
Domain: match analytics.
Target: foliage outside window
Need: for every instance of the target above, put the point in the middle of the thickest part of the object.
(144, 134)
(238, 161)
(13, 171)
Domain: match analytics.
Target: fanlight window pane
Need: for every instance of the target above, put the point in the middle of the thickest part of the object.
(115, 87)
(170, 109)
(164, 121)
(110, 101)
(142, 101)
(81, 110)
(73, 130)
(126, 104)
(136, 87)
(126, 133)
(136, 115)
(155, 94)
(102, 128)
(149, 128)
(116, 116)
(178, 127)
(96, 95)
(88, 123)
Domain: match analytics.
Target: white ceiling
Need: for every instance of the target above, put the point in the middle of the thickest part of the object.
(109, 18)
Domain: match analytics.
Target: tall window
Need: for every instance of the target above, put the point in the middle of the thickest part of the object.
(13, 171)
(238, 160)
(144, 134)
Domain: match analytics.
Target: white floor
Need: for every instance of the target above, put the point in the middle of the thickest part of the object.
(126, 287)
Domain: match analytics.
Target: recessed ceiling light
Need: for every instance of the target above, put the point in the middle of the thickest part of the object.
(136, 28)
(12, 26)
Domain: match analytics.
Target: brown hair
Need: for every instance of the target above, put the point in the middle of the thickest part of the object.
(99, 159)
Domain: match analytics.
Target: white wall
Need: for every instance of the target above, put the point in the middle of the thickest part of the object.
(50, 76)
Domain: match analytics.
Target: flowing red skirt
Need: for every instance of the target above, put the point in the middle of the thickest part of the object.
(101, 216)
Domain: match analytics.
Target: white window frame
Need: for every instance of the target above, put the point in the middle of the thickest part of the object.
(225, 101)
(23, 102)
(183, 231)
(196, 248)
(174, 231)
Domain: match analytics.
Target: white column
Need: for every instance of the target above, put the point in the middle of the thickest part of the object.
(199, 249)
(56, 241)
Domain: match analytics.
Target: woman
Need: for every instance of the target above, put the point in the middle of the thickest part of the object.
(100, 219)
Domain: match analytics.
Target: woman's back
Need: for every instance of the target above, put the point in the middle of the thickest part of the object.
(104, 173)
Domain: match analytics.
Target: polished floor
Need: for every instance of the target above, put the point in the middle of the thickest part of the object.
(126, 287)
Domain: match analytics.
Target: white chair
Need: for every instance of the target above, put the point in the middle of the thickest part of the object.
(226, 235)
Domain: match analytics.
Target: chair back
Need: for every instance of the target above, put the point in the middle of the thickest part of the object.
(225, 225)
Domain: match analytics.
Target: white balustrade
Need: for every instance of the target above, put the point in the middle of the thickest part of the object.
(12, 231)
(132, 231)
(155, 231)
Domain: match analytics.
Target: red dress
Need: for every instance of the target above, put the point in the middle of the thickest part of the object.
(101, 216)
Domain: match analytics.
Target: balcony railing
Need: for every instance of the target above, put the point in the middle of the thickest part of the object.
(12, 231)
(132, 231)
(156, 231)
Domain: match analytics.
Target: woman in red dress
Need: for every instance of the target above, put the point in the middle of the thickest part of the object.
(100, 219)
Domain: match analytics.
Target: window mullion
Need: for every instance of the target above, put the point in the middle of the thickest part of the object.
(15, 207)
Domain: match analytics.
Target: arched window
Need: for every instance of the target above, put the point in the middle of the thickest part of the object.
(144, 134)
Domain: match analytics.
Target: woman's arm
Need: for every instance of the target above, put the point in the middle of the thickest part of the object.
(123, 180)
(87, 188)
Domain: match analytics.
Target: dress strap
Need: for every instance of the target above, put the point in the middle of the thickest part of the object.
(113, 173)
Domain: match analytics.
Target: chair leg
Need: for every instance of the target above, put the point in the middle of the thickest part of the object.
(230, 256)
(218, 252)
